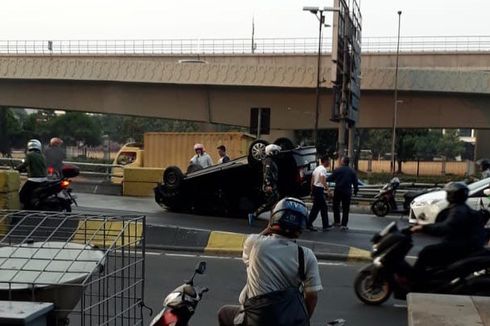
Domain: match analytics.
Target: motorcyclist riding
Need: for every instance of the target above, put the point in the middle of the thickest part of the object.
(283, 279)
(461, 229)
(35, 164)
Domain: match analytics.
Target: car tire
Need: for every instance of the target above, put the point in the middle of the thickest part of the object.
(256, 151)
(172, 177)
(285, 143)
(380, 208)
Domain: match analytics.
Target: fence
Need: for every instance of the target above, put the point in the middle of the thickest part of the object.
(240, 45)
(73, 152)
(418, 167)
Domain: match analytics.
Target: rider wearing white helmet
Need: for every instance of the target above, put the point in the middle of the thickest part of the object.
(201, 158)
(269, 181)
(35, 165)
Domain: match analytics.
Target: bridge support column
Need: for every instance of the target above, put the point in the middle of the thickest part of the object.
(482, 144)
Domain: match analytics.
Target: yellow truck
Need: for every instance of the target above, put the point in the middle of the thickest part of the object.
(143, 164)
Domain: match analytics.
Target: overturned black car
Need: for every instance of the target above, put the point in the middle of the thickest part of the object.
(234, 188)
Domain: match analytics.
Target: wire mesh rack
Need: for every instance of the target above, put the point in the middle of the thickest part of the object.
(90, 266)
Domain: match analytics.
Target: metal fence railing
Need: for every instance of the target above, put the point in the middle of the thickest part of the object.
(238, 46)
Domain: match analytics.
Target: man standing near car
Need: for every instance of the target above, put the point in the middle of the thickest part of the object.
(318, 188)
(269, 182)
(345, 179)
(223, 158)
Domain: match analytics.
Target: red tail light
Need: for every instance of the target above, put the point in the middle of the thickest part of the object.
(50, 170)
(65, 184)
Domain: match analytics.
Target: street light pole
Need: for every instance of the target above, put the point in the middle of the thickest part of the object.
(395, 110)
(317, 91)
(318, 12)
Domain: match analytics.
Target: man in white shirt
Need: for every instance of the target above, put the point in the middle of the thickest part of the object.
(318, 188)
(273, 263)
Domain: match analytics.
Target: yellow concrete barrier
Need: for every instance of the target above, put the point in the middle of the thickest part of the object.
(225, 243)
(9, 181)
(4, 224)
(9, 200)
(143, 174)
(138, 189)
(107, 233)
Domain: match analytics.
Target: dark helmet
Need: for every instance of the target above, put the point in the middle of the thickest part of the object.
(456, 192)
(485, 165)
(290, 215)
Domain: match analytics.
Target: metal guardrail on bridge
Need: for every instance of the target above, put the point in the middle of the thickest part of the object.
(239, 46)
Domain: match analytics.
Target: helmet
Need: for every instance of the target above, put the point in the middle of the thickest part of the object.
(485, 164)
(290, 215)
(456, 192)
(199, 146)
(34, 144)
(395, 181)
(272, 149)
(55, 141)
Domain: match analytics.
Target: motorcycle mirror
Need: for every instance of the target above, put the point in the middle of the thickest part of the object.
(201, 267)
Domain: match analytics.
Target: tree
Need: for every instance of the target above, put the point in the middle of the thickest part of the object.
(376, 141)
(9, 130)
(74, 127)
(450, 145)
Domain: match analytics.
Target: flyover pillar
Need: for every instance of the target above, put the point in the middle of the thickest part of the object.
(482, 144)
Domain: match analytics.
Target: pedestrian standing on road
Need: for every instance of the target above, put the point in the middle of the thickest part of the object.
(318, 188)
(223, 158)
(54, 156)
(485, 168)
(283, 278)
(269, 182)
(345, 179)
(201, 158)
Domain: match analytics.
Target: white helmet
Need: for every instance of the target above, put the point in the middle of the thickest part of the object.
(272, 149)
(34, 144)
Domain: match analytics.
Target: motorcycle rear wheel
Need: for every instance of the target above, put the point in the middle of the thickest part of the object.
(380, 208)
(370, 293)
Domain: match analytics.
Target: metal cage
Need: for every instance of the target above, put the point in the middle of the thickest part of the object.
(90, 266)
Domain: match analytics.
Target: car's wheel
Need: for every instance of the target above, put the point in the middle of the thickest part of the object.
(256, 151)
(380, 208)
(172, 177)
(285, 143)
(369, 291)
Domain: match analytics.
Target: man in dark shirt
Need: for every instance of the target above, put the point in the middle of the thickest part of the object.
(345, 178)
(223, 158)
(460, 228)
(35, 165)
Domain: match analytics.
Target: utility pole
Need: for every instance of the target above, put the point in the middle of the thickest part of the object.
(395, 108)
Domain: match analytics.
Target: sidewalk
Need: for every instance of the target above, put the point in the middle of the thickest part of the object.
(190, 232)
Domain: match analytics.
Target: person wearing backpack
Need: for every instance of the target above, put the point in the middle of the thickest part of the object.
(283, 278)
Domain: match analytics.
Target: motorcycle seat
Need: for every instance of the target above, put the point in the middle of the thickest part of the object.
(477, 261)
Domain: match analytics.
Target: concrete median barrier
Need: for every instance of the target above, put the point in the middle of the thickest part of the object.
(231, 244)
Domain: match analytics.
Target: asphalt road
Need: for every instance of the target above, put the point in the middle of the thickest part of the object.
(225, 278)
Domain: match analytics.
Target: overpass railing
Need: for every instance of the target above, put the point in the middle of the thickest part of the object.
(239, 46)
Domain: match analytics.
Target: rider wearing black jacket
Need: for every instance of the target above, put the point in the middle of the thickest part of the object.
(462, 231)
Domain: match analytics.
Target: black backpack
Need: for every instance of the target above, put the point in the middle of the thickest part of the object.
(279, 308)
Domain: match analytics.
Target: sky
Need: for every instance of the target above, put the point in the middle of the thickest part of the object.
(177, 19)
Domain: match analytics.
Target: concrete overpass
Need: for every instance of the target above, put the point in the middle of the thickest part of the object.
(446, 87)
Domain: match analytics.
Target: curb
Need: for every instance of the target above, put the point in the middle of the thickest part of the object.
(173, 238)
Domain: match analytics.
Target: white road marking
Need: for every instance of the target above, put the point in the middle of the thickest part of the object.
(180, 255)
(400, 305)
(152, 253)
(324, 263)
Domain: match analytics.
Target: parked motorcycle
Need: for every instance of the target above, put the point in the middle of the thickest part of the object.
(181, 303)
(54, 194)
(391, 273)
(385, 202)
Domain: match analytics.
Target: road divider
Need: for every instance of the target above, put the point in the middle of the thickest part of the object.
(172, 238)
